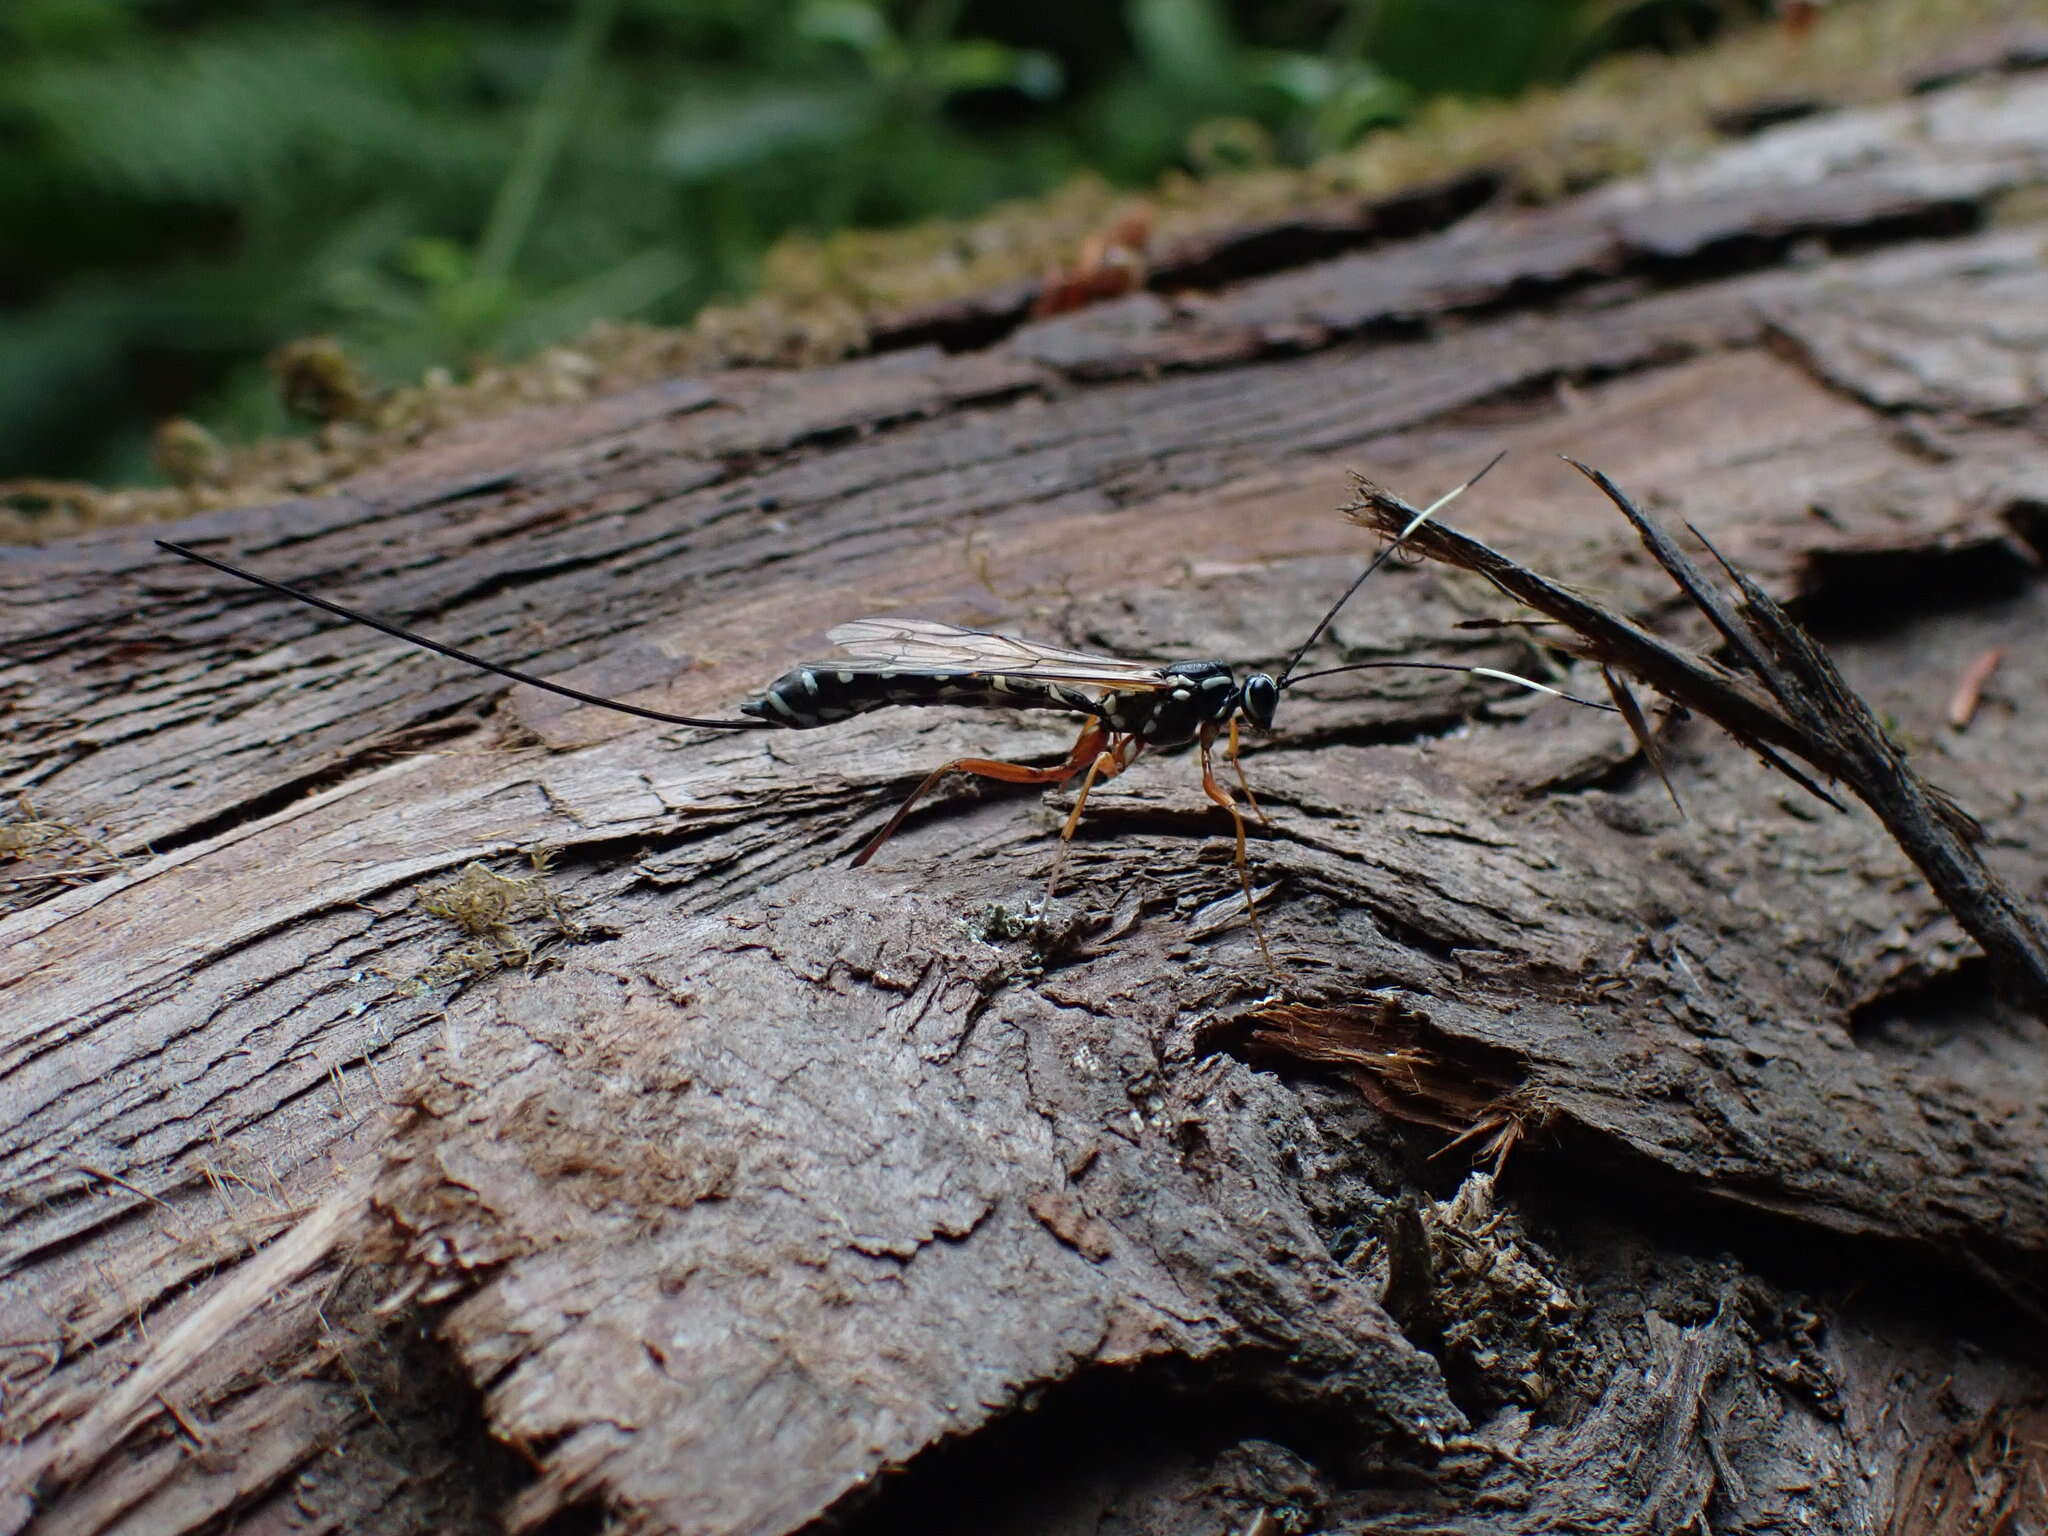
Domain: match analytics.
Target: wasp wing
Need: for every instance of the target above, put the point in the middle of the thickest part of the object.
(924, 645)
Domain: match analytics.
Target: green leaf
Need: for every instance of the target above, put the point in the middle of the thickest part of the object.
(719, 133)
(853, 24)
(1186, 42)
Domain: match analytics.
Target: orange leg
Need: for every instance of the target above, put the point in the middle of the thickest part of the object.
(1107, 765)
(1094, 737)
(1222, 797)
(1243, 783)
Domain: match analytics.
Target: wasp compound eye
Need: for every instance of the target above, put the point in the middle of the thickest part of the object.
(1261, 698)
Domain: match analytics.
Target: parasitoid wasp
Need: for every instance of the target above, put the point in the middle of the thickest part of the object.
(883, 662)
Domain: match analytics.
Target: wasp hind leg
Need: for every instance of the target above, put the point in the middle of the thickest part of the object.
(1223, 798)
(1094, 738)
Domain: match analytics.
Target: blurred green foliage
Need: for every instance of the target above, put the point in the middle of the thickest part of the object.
(186, 186)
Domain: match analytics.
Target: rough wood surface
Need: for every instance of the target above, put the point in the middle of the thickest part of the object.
(699, 1180)
(1781, 695)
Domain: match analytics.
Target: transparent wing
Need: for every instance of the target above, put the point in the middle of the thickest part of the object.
(924, 645)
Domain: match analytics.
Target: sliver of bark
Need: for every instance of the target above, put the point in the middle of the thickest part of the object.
(1804, 708)
(139, 1396)
(1389, 1053)
(1982, 1476)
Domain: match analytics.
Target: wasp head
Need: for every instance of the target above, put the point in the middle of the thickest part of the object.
(1259, 698)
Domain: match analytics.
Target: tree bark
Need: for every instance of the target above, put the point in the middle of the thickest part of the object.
(427, 1104)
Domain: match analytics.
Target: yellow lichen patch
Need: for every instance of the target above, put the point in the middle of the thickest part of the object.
(504, 919)
(820, 298)
(317, 379)
(39, 852)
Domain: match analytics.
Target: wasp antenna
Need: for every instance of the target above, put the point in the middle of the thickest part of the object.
(1381, 559)
(1452, 495)
(1452, 666)
(425, 644)
(1556, 693)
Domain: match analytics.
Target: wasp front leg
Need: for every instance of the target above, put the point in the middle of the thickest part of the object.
(1222, 797)
(1243, 783)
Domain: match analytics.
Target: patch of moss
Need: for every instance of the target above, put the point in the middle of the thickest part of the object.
(39, 852)
(505, 920)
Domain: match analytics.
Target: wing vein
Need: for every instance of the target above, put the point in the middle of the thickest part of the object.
(925, 645)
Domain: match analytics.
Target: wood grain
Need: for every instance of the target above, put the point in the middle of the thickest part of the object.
(725, 1185)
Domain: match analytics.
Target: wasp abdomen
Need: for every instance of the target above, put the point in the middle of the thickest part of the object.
(824, 695)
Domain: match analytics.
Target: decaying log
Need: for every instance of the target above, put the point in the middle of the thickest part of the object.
(428, 1105)
(1798, 702)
